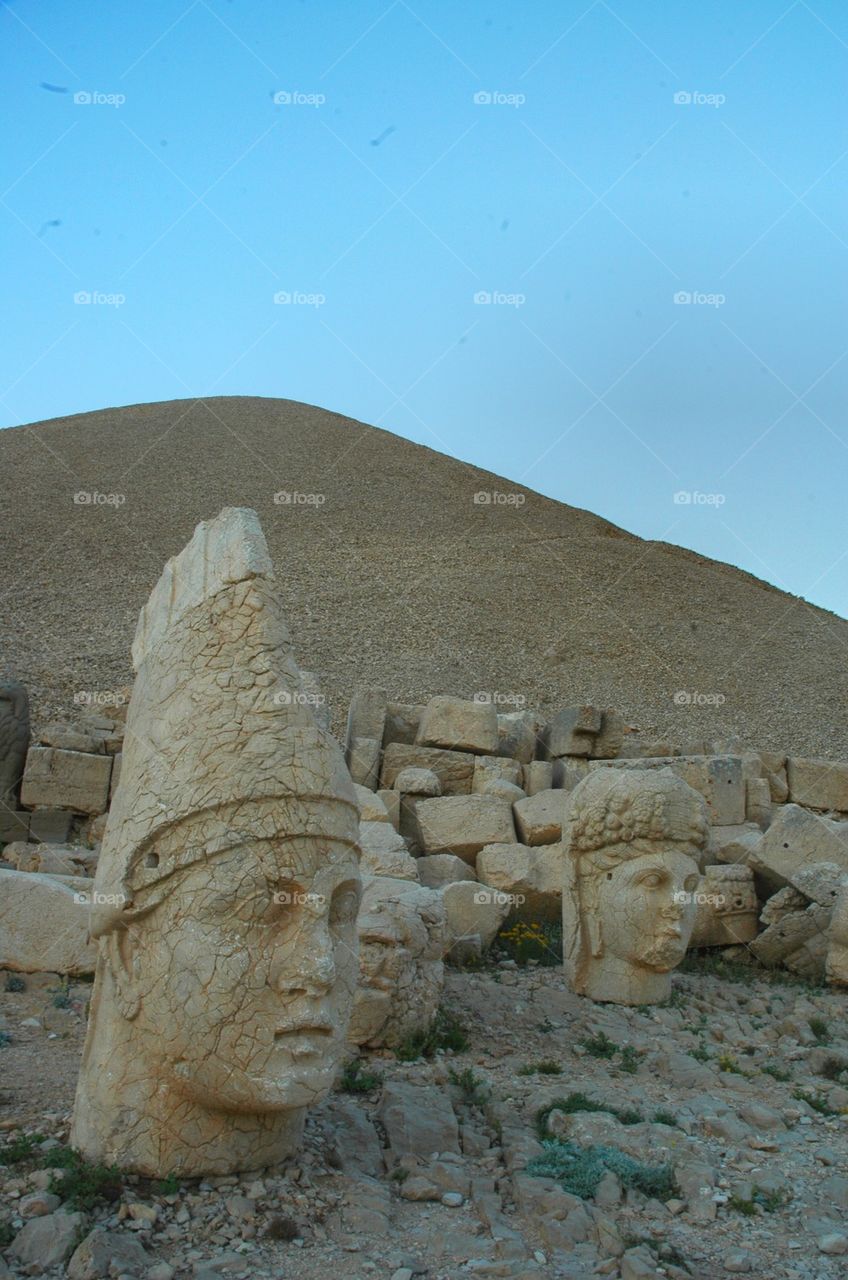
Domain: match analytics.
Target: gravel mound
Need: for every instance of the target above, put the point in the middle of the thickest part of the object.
(394, 575)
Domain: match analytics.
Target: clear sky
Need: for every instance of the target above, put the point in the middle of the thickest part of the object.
(382, 164)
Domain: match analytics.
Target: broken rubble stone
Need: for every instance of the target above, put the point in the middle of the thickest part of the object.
(608, 742)
(417, 782)
(727, 911)
(50, 826)
(49, 1240)
(66, 780)
(14, 740)
(391, 801)
(402, 721)
(758, 801)
(718, 779)
(503, 789)
(474, 914)
(454, 769)
(818, 784)
(503, 768)
(371, 805)
(538, 775)
(363, 761)
(459, 725)
(366, 717)
(384, 852)
(108, 1253)
(519, 735)
(419, 1121)
(836, 961)
(538, 818)
(531, 878)
(572, 731)
(44, 925)
(435, 870)
(798, 838)
(462, 825)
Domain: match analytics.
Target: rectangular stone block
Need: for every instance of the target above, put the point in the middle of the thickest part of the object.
(391, 799)
(488, 767)
(363, 761)
(538, 776)
(14, 825)
(462, 825)
(797, 839)
(366, 717)
(719, 779)
(50, 826)
(607, 744)
(459, 725)
(402, 721)
(818, 784)
(66, 780)
(454, 769)
(520, 735)
(538, 818)
(572, 731)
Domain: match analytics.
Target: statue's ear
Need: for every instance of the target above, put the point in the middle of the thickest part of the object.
(122, 952)
(594, 936)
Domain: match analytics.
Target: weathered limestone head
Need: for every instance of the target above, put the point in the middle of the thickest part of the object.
(402, 938)
(632, 839)
(227, 888)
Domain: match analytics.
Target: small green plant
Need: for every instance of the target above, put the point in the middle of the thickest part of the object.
(699, 1054)
(445, 1032)
(282, 1228)
(167, 1186)
(7, 1234)
(356, 1078)
(399, 1175)
(581, 1102)
(820, 1030)
(21, 1149)
(5, 1039)
(727, 1062)
(474, 1089)
(547, 1067)
(539, 942)
(817, 1101)
(664, 1117)
(776, 1073)
(579, 1170)
(80, 1183)
(833, 1069)
(14, 982)
(629, 1060)
(760, 1200)
(61, 995)
(599, 1046)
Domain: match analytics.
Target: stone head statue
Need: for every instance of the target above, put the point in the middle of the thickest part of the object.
(227, 889)
(632, 839)
(14, 738)
(402, 939)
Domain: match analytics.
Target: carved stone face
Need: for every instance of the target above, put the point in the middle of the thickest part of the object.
(646, 909)
(245, 973)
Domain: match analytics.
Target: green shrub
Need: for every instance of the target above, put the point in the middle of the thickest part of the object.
(355, 1078)
(80, 1183)
(579, 1170)
(664, 1117)
(444, 1032)
(820, 1030)
(474, 1089)
(599, 1046)
(581, 1102)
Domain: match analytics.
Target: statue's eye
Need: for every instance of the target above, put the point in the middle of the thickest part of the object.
(652, 880)
(344, 906)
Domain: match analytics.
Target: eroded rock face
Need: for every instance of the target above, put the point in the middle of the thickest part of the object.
(632, 840)
(227, 888)
(402, 938)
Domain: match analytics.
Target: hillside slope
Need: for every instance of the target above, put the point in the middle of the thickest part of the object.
(396, 576)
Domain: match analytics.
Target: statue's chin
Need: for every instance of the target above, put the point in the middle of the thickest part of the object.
(664, 957)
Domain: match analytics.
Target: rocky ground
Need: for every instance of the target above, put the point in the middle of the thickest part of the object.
(736, 1083)
(398, 578)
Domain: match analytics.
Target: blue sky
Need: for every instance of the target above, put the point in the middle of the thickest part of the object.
(383, 166)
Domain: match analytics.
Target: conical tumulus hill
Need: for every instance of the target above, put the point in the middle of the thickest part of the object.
(392, 574)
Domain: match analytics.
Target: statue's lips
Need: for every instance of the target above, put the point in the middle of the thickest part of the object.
(304, 1039)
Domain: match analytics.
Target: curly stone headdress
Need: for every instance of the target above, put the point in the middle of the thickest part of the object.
(222, 746)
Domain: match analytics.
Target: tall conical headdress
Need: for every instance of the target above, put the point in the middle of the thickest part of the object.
(222, 745)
